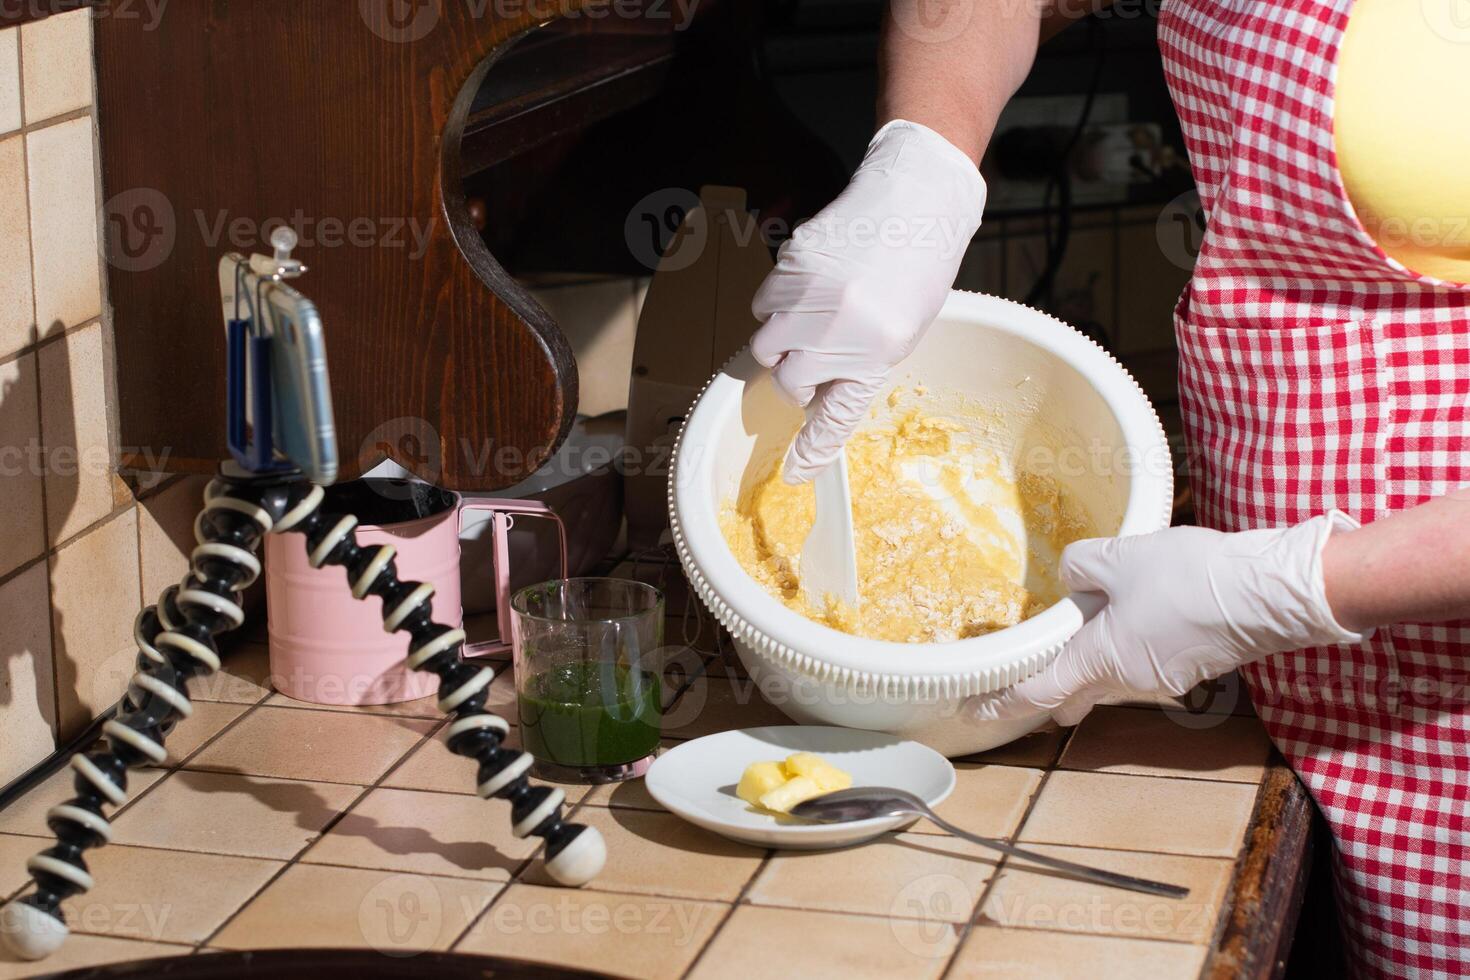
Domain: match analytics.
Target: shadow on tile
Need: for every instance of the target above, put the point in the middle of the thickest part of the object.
(917, 843)
(1146, 742)
(718, 702)
(659, 854)
(426, 833)
(233, 813)
(701, 841)
(1038, 749)
(470, 855)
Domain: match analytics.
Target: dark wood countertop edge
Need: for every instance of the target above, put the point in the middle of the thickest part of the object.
(364, 964)
(1266, 894)
(14, 12)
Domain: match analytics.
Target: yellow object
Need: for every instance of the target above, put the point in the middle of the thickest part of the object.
(788, 794)
(1403, 73)
(937, 558)
(779, 786)
(759, 779)
(828, 777)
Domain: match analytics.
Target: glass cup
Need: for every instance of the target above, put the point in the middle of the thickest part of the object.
(587, 677)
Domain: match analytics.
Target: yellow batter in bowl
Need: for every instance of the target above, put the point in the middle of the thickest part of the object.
(949, 544)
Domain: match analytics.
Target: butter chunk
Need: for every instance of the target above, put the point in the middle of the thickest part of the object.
(787, 795)
(759, 779)
(827, 776)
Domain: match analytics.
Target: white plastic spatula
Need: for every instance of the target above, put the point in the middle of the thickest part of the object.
(829, 556)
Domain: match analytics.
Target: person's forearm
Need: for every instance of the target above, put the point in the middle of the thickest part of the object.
(1413, 566)
(953, 66)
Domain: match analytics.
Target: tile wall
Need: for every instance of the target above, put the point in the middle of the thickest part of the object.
(79, 547)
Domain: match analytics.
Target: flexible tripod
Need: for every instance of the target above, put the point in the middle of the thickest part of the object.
(176, 643)
(257, 495)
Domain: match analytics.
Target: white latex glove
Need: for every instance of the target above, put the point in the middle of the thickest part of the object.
(857, 285)
(1182, 606)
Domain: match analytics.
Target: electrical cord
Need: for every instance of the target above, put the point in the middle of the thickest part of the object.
(1060, 182)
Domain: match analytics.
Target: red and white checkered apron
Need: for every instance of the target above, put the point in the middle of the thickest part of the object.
(1317, 372)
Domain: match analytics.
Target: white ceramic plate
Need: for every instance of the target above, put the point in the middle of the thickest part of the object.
(697, 781)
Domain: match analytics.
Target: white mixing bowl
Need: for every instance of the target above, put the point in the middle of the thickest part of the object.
(1052, 401)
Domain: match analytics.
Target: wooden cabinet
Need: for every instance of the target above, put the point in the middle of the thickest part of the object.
(358, 122)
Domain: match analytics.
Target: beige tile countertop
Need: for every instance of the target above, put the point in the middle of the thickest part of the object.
(277, 824)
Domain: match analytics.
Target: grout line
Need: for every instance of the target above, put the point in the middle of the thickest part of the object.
(740, 899)
(1003, 863)
(776, 906)
(573, 811)
(436, 792)
(326, 828)
(49, 548)
(55, 336)
(31, 836)
(1110, 936)
(514, 879)
(22, 568)
(1168, 778)
(163, 480)
(881, 917)
(96, 525)
(433, 729)
(516, 876)
(441, 875)
(160, 849)
(177, 767)
(27, 128)
(25, 176)
(45, 556)
(167, 770)
(229, 726)
(214, 771)
(363, 710)
(133, 798)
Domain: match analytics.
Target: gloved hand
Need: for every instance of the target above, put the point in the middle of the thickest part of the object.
(1183, 605)
(857, 285)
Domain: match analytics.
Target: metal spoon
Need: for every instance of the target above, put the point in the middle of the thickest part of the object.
(866, 802)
